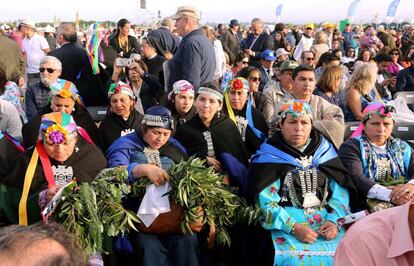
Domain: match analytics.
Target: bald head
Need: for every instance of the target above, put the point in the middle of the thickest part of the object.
(168, 23)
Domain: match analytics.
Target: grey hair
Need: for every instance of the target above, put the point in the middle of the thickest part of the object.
(15, 239)
(51, 59)
(257, 20)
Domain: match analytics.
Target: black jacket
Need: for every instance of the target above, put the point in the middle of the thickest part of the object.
(264, 41)
(405, 80)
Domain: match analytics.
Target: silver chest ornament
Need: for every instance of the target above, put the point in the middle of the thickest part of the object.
(152, 156)
(383, 168)
(242, 126)
(308, 186)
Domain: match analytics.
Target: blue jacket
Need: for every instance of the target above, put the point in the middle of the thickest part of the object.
(120, 152)
(194, 60)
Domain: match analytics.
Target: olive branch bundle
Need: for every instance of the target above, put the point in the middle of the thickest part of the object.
(193, 185)
(92, 211)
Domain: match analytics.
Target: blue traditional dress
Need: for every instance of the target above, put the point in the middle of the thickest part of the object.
(306, 187)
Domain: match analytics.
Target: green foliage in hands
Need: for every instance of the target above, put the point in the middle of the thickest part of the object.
(390, 181)
(92, 210)
(194, 185)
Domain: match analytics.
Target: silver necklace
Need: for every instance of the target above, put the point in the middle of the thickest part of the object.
(152, 156)
(242, 126)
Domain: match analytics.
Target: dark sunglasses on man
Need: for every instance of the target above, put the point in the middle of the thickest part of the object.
(50, 70)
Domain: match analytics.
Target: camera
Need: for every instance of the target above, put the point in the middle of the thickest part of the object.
(123, 62)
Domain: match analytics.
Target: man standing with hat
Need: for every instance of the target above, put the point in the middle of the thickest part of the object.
(34, 47)
(305, 42)
(230, 42)
(267, 58)
(194, 59)
(275, 92)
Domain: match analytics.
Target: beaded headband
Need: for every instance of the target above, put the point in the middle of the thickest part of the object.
(211, 92)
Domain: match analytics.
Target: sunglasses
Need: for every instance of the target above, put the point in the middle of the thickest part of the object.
(395, 54)
(50, 70)
(255, 79)
(310, 58)
(245, 62)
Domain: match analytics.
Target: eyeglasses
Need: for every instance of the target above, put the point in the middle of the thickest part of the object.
(50, 70)
(255, 79)
(245, 62)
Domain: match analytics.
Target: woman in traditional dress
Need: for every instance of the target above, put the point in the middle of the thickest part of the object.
(250, 122)
(181, 102)
(213, 136)
(299, 182)
(64, 97)
(152, 159)
(10, 148)
(122, 117)
(60, 156)
(381, 166)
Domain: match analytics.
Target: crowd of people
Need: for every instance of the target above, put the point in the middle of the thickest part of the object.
(265, 109)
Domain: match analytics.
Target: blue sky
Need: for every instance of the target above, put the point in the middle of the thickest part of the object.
(295, 11)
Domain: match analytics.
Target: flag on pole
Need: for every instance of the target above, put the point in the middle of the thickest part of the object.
(352, 8)
(279, 10)
(392, 8)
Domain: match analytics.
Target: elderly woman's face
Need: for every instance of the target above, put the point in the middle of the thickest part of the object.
(183, 102)
(207, 106)
(378, 129)
(121, 104)
(237, 99)
(64, 105)
(156, 137)
(296, 130)
(61, 152)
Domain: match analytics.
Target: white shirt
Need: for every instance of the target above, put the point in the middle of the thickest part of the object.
(33, 48)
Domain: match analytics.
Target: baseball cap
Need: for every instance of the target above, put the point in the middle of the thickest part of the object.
(189, 11)
(288, 65)
(310, 25)
(329, 25)
(268, 55)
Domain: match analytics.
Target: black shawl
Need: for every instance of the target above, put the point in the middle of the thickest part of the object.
(252, 142)
(228, 145)
(112, 126)
(86, 161)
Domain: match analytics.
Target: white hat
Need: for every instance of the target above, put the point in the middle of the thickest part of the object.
(49, 28)
(28, 23)
(186, 11)
(281, 51)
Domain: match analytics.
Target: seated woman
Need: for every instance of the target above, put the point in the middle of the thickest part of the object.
(181, 102)
(252, 75)
(64, 97)
(10, 148)
(122, 118)
(64, 155)
(299, 182)
(9, 91)
(328, 86)
(249, 121)
(213, 136)
(152, 159)
(380, 165)
(361, 91)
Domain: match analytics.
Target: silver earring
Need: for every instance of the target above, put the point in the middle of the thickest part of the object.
(218, 114)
